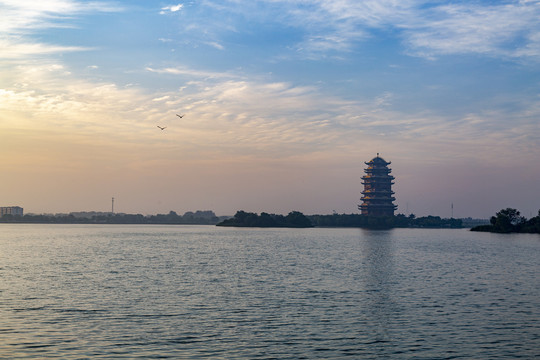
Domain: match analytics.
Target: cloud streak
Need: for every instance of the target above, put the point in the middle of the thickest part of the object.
(230, 114)
(507, 30)
(427, 29)
(171, 8)
(21, 19)
(14, 49)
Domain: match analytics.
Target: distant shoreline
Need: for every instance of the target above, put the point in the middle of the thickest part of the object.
(205, 217)
(510, 221)
(294, 219)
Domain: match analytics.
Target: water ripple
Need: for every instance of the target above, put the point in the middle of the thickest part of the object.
(194, 292)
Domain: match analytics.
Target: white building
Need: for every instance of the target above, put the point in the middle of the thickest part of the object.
(11, 210)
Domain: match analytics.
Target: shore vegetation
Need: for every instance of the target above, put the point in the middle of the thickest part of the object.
(297, 219)
(509, 220)
(199, 217)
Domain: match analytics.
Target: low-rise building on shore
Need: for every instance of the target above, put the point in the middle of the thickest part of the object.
(11, 210)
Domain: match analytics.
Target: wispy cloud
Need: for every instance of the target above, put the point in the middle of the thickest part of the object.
(21, 19)
(340, 25)
(13, 49)
(25, 15)
(171, 8)
(216, 45)
(228, 114)
(505, 29)
(189, 72)
(508, 29)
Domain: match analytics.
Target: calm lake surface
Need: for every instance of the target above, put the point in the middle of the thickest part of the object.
(203, 292)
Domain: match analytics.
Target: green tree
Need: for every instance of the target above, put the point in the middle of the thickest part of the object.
(266, 220)
(297, 219)
(507, 220)
(532, 225)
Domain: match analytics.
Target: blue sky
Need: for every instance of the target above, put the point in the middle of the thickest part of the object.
(284, 101)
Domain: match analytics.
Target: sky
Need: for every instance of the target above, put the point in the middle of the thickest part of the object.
(284, 101)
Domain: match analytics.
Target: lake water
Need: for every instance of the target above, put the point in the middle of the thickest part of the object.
(204, 292)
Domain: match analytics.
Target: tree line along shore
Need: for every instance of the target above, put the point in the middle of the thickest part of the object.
(510, 221)
(505, 221)
(297, 219)
(294, 219)
(205, 217)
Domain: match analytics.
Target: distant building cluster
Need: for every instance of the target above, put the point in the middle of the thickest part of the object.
(11, 210)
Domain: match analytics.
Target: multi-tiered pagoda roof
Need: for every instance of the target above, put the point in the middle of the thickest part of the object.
(377, 199)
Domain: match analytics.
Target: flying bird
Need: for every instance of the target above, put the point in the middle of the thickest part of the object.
(180, 116)
(162, 127)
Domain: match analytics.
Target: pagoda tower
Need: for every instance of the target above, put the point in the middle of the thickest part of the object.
(377, 195)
